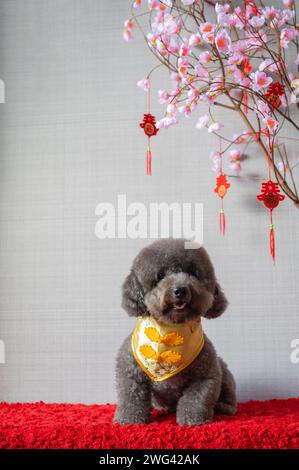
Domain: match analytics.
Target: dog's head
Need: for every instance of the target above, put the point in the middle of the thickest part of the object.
(173, 284)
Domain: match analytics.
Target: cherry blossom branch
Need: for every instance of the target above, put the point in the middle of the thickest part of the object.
(239, 56)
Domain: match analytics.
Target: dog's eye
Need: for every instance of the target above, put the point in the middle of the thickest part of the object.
(160, 275)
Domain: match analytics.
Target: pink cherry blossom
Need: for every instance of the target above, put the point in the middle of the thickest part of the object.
(172, 45)
(222, 9)
(161, 48)
(201, 72)
(269, 66)
(260, 80)
(152, 39)
(271, 13)
(262, 108)
(205, 57)
(128, 30)
(167, 121)
(170, 25)
(182, 66)
(288, 3)
(202, 122)
(157, 5)
(164, 97)
(257, 21)
(186, 109)
(245, 136)
(287, 35)
(175, 77)
(137, 3)
(195, 40)
(223, 41)
(222, 17)
(235, 155)
(184, 50)
(235, 158)
(193, 93)
(144, 84)
(207, 30)
(236, 58)
(286, 17)
(236, 19)
(271, 123)
(237, 73)
(214, 127)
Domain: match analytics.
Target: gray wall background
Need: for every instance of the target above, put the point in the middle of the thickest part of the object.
(69, 139)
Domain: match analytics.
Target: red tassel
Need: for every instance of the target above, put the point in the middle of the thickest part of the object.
(148, 161)
(272, 239)
(245, 102)
(222, 222)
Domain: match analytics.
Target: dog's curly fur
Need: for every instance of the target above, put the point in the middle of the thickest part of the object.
(206, 385)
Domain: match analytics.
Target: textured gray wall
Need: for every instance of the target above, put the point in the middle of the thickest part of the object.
(69, 140)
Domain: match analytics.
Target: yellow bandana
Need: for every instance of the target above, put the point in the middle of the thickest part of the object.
(163, 350)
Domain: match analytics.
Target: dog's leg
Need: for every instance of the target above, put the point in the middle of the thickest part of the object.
(196, 405)
(133, 389)
(227, 400)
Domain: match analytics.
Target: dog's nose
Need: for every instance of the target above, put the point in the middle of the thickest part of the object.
(180, 292)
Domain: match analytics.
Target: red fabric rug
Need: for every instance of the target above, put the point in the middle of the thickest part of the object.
(258, 424)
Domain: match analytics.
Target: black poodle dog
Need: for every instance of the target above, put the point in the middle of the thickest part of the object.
(169, 289)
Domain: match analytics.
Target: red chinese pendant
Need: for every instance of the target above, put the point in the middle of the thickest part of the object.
(275, 90)
(271, 197)
(149, 126)
(222, 186)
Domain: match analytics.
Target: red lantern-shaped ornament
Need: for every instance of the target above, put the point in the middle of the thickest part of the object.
(275, 90)
(149, 126)
(271, 197)
(222, 185)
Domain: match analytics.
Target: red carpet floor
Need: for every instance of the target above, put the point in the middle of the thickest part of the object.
(264, 424)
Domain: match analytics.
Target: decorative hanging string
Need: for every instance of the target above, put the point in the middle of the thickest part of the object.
(222, 185)
(245, 101)
(149, 126)
(270, 195)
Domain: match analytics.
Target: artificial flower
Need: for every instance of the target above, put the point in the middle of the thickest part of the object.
(202, 121)
(223, 41)
(235, 158)
(214, 127)
(128, 30)
(144, 84)
(260, 80)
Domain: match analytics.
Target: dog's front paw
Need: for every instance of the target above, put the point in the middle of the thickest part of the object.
(193, 417)
(125, 417)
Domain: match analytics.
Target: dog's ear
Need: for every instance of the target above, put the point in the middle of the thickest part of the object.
(132, 296)
(219, 305)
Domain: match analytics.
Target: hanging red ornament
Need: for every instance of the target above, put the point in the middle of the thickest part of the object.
(275, 90)
(270, 192)
(271, 197)
(222, 186)
(149, 126)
